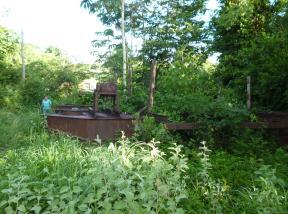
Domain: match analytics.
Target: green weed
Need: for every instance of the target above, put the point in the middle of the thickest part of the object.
(64, 177)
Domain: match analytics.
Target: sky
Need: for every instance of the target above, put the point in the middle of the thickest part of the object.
(60, 23)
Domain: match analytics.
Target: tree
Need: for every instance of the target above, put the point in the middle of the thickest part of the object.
(123, 44)
(9, 47)
(251, 37)
(53, 50)
(165, 26)
(109, 13)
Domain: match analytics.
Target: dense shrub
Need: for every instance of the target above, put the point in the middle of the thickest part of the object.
(42, 172)
(16, 127)
(63, 177)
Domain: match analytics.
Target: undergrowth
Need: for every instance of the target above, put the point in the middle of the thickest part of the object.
(64, 177)
(42, 172)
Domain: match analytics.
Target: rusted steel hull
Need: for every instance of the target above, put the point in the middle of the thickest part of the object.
(180, 126)
(272, 120)
(90, 128)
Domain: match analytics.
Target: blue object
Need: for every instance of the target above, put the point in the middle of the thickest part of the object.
(46, 105)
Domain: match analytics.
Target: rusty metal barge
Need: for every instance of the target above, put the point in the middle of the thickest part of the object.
(87, 122)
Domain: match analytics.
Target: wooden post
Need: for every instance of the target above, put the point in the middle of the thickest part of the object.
(96, 100)
(152, 86)
(115, 75)
(249, 92)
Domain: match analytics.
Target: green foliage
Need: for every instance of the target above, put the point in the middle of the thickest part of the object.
(251, 37)
(229, 183)
(47, 73)
(187, 91)
(213, 191)
(135, 102)
(264, 197)
(32, 92)
(182, 92)
(15, 128)
(63, 177)
(43, 172)
(147, 129)
(9, 97)
(9, 73)
(8, 44)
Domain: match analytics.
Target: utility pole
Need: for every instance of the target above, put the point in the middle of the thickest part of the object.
(22, 57)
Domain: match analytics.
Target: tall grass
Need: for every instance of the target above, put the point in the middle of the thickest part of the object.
(15, 127)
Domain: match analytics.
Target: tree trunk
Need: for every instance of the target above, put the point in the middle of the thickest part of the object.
(249, 103)
(130, 72)
(152, 86)
(123, 44)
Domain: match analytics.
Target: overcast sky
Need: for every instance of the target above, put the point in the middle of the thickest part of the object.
(60, 23)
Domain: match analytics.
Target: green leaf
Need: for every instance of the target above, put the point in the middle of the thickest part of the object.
(66, 195)
(30, 198)
(180, 211)
(89, 199)
(24, 191)
(10, 190)
(118, 205)
(82, 207)
(116, 212)
(64, 189)
(2, 203)
(9, 210)
(77, 189)
(22, 208)
(136, 207)
(36, 208)
(107, 205)
(13, 199)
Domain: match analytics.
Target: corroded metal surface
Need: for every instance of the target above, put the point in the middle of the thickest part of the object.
(106, 89)
(272, 120)
(86, 122)
(88, 127)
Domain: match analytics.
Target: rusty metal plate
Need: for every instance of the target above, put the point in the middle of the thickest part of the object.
(106, 88)
(88, 128)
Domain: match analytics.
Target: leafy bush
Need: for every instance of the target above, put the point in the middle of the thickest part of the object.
(33, 91)
(264, 196)
(147, 129)
(16, 127)
(135, 102)
(9, 97)
(42, 172)
(63, 177)
(213, 193)
(187, 91)
(231, 184)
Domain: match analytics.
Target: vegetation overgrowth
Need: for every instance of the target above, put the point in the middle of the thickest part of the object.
(43, 172)
(218, 168)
